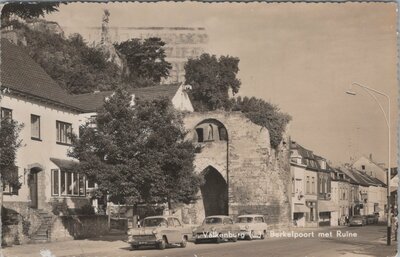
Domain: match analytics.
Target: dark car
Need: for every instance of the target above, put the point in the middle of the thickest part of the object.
(372, 219)
(358, 220)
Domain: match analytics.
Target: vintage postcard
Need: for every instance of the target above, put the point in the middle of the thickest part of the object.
(199, 129)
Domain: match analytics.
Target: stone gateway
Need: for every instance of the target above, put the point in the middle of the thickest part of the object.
(242, 173)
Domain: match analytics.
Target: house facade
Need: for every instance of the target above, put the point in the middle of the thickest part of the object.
(49, 116)
(310, 183)
(298, 204)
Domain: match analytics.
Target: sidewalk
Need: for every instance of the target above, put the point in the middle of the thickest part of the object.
(65, 248)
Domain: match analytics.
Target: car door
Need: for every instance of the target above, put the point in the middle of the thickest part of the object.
(174, 232)
(228, 226)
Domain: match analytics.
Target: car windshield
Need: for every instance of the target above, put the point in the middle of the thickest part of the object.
(155, 222)
(245, 220)
(213, 220)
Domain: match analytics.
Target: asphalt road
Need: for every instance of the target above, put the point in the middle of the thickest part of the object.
(326, 242)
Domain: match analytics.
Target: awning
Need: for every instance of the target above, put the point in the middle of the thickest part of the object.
(64, 164)
(300, 208)
(326, 206)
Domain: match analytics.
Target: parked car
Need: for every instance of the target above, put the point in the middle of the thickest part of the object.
(159, 231)
(216, 229)
(358, 220)
(252, 226)
(372, 219)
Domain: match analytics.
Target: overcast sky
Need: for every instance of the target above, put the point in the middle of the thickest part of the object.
(302, 57)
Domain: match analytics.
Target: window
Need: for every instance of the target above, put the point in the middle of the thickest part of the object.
(71, 183)
(64, 131)
(312, 186)
(6, 113)
(258, 219)
(293, 186)
(228, 221)
(200, 135)
(55, 182)
(35, 127)
(363, 167)
(320, 185)
(7, 188)
(210, 133)
(308, 185)
(223, 135)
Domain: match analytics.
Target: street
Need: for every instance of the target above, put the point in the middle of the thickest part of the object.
(365, 241)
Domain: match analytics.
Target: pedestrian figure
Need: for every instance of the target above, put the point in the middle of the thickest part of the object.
(394, 226)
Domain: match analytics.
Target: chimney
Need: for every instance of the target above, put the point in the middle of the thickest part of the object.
(370, 156)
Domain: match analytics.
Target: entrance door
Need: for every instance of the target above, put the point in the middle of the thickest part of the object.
(33, 188)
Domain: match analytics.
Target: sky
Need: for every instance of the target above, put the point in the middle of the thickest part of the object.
(302, 57)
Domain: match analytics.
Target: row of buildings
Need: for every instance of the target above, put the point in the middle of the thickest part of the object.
(326, 195)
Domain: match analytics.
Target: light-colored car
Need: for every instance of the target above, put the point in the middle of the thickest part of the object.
(252, 226)
(216, 229)
(159, 231)
(358, 220)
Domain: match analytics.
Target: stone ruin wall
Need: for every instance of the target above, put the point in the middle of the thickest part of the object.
(258, 176)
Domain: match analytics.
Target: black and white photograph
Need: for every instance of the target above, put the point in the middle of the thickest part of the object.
(199, 129)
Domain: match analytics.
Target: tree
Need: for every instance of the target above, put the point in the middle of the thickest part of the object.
(264, 114)
(76, 67)
(137, 154)
(211, 79)
(145, 59)
(9, 143)
(26, 10)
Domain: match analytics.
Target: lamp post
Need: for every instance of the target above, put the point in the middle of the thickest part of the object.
(387, 119)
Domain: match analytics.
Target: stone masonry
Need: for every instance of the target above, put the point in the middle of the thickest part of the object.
(256, 175)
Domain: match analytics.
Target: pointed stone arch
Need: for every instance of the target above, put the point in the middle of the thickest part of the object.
(214, 192)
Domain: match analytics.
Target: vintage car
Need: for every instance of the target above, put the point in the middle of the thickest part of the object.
(159, 231)
(372, 219)
(252, 226)
(216, 229)
(358, 220)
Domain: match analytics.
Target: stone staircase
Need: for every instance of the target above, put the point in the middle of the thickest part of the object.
(43, 234)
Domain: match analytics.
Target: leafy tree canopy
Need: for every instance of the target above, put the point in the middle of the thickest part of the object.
(71, 62)
(137, 154)
(145, 59)
(264, 114)
(211, 79)
(26, 10)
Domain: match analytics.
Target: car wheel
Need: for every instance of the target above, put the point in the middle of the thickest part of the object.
(234, 239)
(262, 236)
(183, 243)
(134, 247)
(162, 244)
(218, 240)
